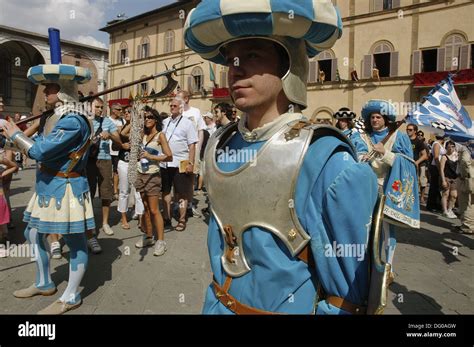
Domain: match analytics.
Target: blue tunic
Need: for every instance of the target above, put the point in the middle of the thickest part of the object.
(277, 281)
(401, 182)
(53, 150)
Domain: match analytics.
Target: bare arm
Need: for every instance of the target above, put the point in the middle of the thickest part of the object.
(11, 166)
(422, 158)
(32, 129)
(116, 138)
(436, 150)
(201, 139)
(442, 164)
(192, 153)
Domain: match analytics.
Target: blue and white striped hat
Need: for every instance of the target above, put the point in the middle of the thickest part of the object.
(304, 28)
(214, 22)
(55, 73)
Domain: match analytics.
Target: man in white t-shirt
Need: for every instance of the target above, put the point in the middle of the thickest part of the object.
(117, 119)
(194, 115)
(182, 138)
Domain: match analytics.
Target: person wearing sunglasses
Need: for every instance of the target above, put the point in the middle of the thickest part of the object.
(99, 165)
(178, 174)
(155, 150)
(420, 155)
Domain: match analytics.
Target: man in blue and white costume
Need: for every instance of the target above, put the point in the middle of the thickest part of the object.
(279, 214)
(61, 203)
(345, 122)
(391, 157)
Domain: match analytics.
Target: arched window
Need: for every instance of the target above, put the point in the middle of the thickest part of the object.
(143, 50)
(196, 80)
(169, 41)
(122, 53)
(452, 45)
(322, 116)
(383, 59)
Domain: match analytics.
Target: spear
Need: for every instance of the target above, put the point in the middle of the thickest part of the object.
(168, 73)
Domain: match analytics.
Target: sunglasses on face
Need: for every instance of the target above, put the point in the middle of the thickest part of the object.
(410, 129)
(99, 107)
(174, 105)
(150, 117)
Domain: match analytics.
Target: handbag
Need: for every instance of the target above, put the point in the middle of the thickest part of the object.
(95, 143)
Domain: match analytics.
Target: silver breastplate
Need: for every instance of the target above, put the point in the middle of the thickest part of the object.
(258, 194)
(58, 114)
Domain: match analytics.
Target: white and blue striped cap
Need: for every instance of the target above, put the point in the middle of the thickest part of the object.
(55, 73)
(214, 22)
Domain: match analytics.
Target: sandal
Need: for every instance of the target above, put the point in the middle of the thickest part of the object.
(125, 226)
(180, 226)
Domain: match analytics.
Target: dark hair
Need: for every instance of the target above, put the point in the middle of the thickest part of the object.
(156, 115)
(415, 127)
(226, 109)
(368, 125)
(164, 115)
(350, 123)
(449, 143)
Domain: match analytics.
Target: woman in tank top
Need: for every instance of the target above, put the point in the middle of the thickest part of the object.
(448, 174)
(155, 149)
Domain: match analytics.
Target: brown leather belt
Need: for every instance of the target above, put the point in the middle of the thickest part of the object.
(59, 173)
(345, 305)
(222, 294)
(233, 304)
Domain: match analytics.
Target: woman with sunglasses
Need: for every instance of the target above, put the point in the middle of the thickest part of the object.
(148, 183)
(122, 168)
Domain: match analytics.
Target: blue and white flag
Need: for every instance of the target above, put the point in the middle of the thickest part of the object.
(443, 110)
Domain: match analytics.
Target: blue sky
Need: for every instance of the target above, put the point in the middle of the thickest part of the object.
(78, 20)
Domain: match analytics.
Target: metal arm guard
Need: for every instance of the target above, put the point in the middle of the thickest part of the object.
(19, 143)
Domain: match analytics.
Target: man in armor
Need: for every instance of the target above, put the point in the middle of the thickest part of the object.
(61, 203)
(291, 206)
